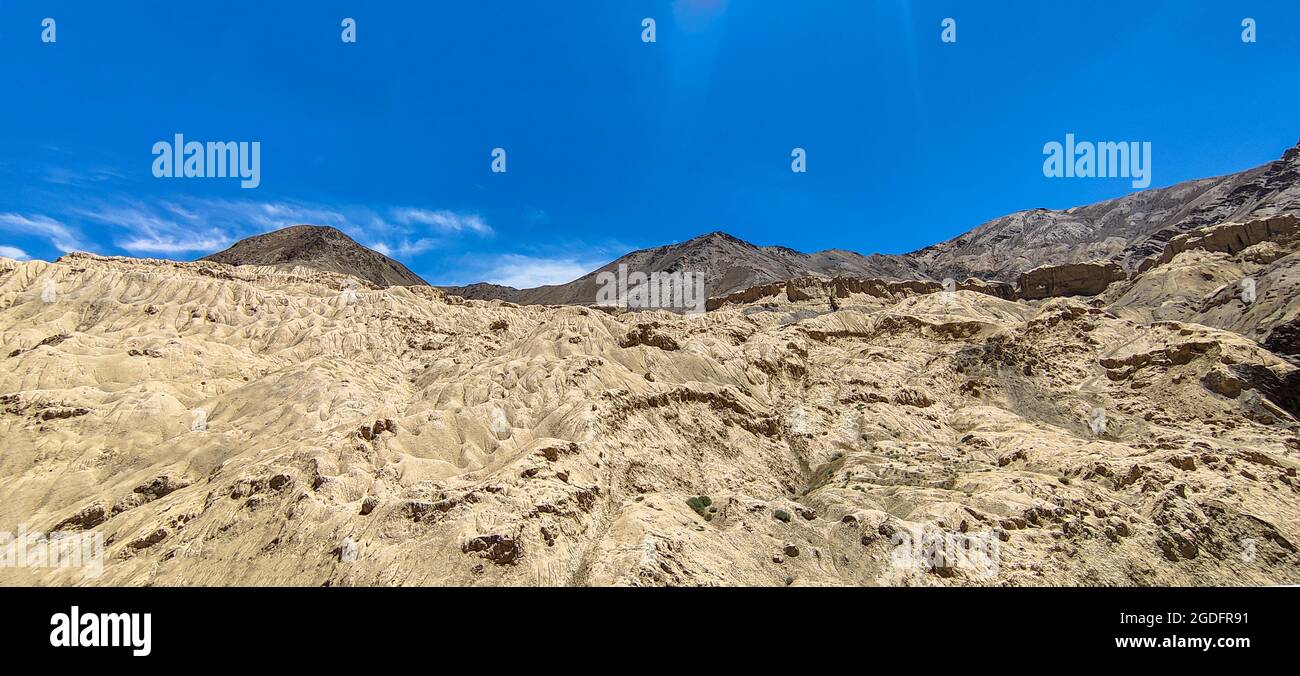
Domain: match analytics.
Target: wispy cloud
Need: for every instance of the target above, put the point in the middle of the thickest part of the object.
(146, 231)
(171, 244)
(405, 234)
(181, 211)
(525, 272)
(448, 222)
(405, 247)
(63, 237)
(14, 253)
(186, 225)
(62, 175)
(283, 214)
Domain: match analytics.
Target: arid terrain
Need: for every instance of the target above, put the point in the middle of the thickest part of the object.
(252, 425)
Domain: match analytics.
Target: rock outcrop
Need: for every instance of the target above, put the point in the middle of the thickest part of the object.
(1071, 279)
(1230, 238)
(828, 290)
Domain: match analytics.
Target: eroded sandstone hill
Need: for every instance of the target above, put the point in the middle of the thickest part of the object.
(256, 425)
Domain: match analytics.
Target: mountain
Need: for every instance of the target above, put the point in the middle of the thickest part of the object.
(1126, 231)
(728, 264)
(319, 247)
(1061, 440)
(254, 429)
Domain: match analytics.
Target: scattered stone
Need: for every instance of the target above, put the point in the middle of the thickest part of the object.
(88, 517)
(149, 540)
(498, 549)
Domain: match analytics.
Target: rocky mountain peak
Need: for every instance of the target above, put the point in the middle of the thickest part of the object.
(321, 247)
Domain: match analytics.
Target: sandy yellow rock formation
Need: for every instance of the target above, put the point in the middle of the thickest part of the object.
(243, 425)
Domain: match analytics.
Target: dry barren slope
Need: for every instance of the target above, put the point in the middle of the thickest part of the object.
(478, 443)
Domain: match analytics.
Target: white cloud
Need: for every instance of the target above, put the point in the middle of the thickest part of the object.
(180, 211)
(76, 177)
(188, 224)
(14, 253)
(525, 272)
(249, 217)
(444, 221)
(63, 237)
(283, 214)
(405, 235)
(130, 217)
(405, 247)
(150, 233)
(167, 244)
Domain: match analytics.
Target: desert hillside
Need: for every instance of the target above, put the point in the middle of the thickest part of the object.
(250, 425)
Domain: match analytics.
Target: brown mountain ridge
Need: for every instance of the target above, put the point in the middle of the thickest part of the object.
(1123, 232)
(319, 247)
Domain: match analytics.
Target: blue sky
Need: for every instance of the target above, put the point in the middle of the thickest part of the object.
(612, 143)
